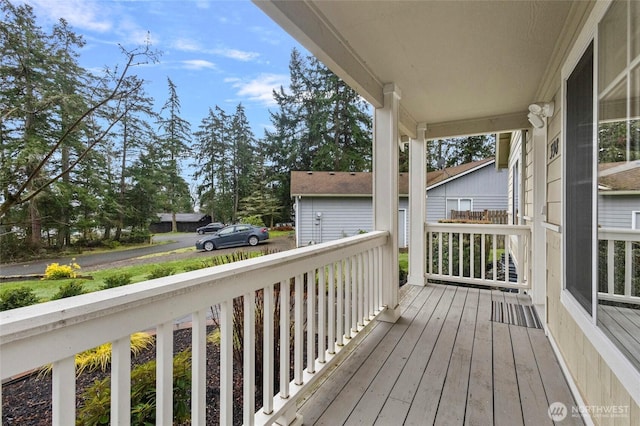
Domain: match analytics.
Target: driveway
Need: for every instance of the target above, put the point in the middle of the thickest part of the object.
(93, 261)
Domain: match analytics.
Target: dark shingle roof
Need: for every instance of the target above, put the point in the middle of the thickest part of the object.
(360, 184)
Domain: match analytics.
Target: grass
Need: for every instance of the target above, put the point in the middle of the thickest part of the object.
(274, 234)
(45, 289)
(403, 260)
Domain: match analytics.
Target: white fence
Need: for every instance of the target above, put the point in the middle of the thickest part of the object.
(625, 240)
(337, 289)
(489, 255)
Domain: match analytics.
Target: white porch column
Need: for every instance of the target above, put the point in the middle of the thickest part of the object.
(417, 206)
(385, 194)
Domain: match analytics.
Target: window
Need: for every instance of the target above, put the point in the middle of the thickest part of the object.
(459, 204)
(515, 194)
(579, 181)
(602, 149)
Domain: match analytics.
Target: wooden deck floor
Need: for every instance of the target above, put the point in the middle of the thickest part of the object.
(444, 362)
(622, 325)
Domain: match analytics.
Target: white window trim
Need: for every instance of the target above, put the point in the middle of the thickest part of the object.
(624, 371)
(619, 364)
(635, 222)
(458, 199)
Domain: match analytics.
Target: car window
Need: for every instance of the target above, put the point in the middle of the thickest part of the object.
(226, 231)
(241, 228)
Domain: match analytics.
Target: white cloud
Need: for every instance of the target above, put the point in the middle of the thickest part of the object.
(78, 13)
(190, 45)
(198, 64)
(239, 55)
(260, 89)
(186, 45)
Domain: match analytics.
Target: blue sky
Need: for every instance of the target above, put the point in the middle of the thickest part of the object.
(216, 52)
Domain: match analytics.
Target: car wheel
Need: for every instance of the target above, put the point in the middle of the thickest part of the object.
(209, 246)
(253, 240)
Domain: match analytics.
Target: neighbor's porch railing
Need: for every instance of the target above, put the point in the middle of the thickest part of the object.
(490, 255)
(342, 292)
(619, 253)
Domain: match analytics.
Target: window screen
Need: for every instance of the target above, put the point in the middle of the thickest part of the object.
(579, 181)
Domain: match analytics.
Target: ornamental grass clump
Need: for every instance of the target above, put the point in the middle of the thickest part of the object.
(99, 358)
(55, 271)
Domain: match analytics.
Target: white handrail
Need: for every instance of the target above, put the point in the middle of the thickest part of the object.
(472, 240)
(54, 332)
(628, 237)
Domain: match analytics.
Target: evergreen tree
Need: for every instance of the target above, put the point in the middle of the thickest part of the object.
(243, 161)
(456, 151)
(321, 124)
(173, 142)
(50, 110)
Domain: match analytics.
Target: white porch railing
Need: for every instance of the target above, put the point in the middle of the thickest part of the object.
(490, 255)
(343, 293)
(619, 251)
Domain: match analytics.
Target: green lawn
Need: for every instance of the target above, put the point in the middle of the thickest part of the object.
(45, 289)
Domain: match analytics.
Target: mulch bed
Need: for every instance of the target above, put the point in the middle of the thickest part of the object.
(27, 401)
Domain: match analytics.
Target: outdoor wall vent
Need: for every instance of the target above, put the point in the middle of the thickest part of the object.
(332, 173)
(309, 173)
(352, 173)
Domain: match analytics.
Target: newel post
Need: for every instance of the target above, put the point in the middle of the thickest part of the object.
(417, 207)
(385, 194)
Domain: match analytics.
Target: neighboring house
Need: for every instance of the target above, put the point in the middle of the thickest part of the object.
(332, 205)
(619, 195)
(187, 222)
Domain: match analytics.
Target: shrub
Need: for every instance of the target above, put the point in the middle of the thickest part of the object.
(116, 280)
(160, 271)
(73, 288)
(17, 298)
(283, 228)
(255, 220)
(55, 271)
(100, 356)
(97, 399)
(138, 236)
(112, 244)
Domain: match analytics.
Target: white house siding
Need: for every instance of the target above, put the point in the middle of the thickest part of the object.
(614, 211)
(340, 217)
(486, 187)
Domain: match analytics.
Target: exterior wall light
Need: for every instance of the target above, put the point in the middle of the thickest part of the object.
(538, 111)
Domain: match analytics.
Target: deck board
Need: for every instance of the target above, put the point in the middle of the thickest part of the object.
(425, 404)
(454, 392)
(479, 409)
(340, 408)
(444, 362)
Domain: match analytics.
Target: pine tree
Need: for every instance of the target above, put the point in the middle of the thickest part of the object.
(321, 124)
(173, 142)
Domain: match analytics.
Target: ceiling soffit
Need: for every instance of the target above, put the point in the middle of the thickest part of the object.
(455, 61)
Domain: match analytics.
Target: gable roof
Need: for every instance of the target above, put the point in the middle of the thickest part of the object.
(360, 184)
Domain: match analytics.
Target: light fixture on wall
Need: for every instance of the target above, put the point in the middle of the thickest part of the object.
(538, 112)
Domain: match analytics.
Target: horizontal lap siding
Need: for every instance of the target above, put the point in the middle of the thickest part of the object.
(341, 217)
(486, 187)
(614, 211)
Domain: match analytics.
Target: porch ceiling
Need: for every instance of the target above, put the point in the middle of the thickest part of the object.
(454, 61)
